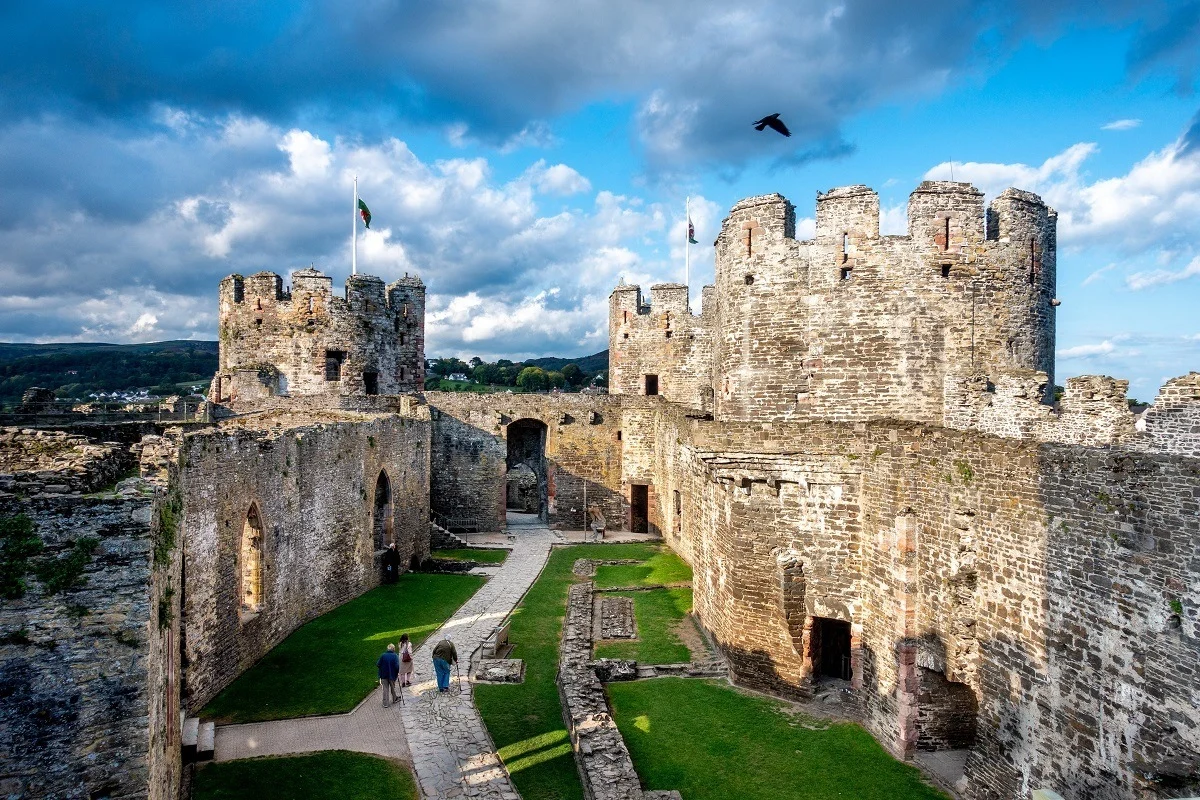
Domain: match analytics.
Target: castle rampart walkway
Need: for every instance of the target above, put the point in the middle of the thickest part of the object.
(441, 735)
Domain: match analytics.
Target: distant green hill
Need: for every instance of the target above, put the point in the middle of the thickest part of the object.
(598, 362)
(74, 370)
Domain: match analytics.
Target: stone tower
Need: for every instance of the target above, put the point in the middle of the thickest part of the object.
(306, 342)
(852, 325)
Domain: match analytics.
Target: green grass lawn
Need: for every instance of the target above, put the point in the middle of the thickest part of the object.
(328, 665)
(662, 568)
(525, 720)
(658, 612)
(711, 743)
(483, 556)
(328, 775)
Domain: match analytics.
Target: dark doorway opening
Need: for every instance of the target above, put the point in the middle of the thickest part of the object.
(371, 382)
(381, 518)
(333, 364)
(651, 384)
(526, 486)
(639, 508)
(829, 648)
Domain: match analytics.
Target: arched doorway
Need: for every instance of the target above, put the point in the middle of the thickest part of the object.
(250, 559)
(382, 517)
(526, 485)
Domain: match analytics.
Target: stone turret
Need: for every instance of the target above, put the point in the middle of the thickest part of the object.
(307, 342)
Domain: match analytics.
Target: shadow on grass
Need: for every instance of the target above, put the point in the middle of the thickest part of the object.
(327, 666)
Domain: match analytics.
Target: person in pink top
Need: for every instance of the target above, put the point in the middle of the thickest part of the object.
(406, 660)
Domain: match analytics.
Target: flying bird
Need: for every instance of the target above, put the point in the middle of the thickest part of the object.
(774, 123)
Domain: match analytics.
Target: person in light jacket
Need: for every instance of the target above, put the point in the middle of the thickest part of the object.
(406, 661)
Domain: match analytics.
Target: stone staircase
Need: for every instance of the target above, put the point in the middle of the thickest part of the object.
(199, 740)
(442, 539)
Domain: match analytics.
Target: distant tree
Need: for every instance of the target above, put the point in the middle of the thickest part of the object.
(503, 362)
(555, 379)
(532, 379)
(475, 361)
(573, 374)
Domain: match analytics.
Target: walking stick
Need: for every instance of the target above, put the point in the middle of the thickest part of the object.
(458, 675)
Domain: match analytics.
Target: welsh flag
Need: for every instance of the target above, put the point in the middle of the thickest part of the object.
(364, 212)
(691, 232)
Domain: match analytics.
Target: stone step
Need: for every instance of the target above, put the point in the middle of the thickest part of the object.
(191, 732)
(206, 742)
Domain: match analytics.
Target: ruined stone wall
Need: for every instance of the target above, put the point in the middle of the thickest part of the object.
(1172, 424)
(854, 325)
(470, 453)
(89, 657)
(312, 484)
(663, 339)
(1046, 590)
(277, 342)
(36, 462)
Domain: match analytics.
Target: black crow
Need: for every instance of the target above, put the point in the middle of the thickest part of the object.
(774, 123)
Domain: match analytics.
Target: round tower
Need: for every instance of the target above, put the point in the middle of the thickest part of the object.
(406, 299)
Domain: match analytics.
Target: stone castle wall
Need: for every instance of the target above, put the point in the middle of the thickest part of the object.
(1047, 591)
(277, 342)
(312, 483)
(470, 448)
(89, 671)
(852, 324)
(662, 339)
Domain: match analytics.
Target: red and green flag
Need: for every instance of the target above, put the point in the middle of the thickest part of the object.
(364, 212)
(691, 233)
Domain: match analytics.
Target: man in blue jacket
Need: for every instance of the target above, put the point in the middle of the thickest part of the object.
(389, 670)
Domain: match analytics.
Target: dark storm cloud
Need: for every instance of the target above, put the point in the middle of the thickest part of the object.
(699, 72)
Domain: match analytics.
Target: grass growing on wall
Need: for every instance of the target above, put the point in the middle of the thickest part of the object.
(328, 665)
(661, 569)
(483, 556)
(327, 775)
(525, 720)
(712, 742)
(659, 613)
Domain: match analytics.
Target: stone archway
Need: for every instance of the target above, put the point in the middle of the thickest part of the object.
(250, 565)
(382, 517)
(527, 454)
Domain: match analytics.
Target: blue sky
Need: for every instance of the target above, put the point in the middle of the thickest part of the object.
(523, 156)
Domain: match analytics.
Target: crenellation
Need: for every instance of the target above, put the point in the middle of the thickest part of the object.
(307, 342)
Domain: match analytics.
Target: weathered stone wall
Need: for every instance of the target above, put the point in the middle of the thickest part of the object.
(88, 670)
(34, 462)
(1052, 586)
(663, 339)
(311, 482)
(853, 325)
(1172, 424)
(276, 342)
(470, 452)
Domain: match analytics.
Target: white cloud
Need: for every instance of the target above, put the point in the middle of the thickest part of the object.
(1103, 348)
(1097, 274)
(1161, 277)
(1121, 125)
(558, 179)
(504, 277)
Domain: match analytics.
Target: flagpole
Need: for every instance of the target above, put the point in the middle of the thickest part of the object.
(687, 251)
(354, 238)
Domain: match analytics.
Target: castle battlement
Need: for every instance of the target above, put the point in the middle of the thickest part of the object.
(304, 341)
(852, 325)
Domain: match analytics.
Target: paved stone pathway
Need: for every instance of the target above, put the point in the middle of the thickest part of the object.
(441, 735)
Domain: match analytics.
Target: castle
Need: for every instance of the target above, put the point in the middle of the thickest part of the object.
(853, 446)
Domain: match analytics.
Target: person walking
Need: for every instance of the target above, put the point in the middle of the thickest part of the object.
(406, 661)
(389, 668)
(391, 564)
(444, 655)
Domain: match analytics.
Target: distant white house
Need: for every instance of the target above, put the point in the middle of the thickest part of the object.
(458, 376)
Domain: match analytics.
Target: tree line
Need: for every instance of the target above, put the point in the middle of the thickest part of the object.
(526, 376)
